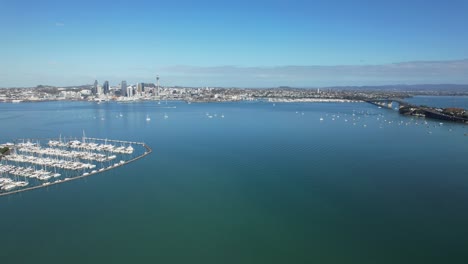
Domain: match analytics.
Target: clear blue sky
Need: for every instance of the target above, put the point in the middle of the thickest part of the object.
(233, 43)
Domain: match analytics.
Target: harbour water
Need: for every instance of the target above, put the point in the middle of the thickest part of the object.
(247, 182)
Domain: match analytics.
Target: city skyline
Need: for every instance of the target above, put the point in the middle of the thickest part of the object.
(246, 44)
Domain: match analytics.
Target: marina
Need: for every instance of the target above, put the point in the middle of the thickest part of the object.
(32, 164)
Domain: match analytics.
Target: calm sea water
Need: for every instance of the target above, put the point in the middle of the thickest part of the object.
(264, 184)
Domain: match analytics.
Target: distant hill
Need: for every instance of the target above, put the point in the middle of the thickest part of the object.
(409, 88)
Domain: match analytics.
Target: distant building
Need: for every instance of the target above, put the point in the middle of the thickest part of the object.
(105, 87)
(129, 91)
(123, 88)
(85, 92)
(99, 89)
(157, 85)
(140, 87)
(94, 90)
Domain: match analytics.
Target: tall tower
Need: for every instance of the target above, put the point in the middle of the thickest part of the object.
(105, 87)
(95, 86)
(157, 84)
(140, 88)
(123, 88)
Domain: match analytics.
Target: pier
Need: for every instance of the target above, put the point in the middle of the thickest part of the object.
(9, 186)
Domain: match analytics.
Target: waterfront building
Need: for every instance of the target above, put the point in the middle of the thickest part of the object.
(123, 88)
(105, 87)
(99, 90)
(94, 90)
(157, 85)
(129, 91)
(140, 87)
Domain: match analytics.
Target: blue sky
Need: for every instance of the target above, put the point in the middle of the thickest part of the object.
(234, 43)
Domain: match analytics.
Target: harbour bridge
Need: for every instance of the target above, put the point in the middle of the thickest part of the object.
(390, 103)
(409, 109)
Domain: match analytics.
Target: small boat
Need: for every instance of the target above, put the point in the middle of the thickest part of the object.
(9, 187)
(166, 116)
(148, 118)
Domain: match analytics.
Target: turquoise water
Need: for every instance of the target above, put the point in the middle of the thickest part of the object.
(264, 184)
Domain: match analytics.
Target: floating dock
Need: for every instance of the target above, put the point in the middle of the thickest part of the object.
(31, 164)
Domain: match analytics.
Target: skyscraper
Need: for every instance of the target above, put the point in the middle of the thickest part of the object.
(140, 87)
(129, 91)
(105, 87)
(99, 90)
(94, 90)
(123, 88)
(157, 85)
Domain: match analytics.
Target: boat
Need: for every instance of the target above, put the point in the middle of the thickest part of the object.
(9, 187)
(22, 183)
(148, 118)
(166, 116)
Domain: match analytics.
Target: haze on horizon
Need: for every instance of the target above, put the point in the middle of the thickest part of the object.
(242, 43)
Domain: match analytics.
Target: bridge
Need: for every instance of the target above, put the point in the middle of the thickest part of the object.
(405, 108)
(388, 103)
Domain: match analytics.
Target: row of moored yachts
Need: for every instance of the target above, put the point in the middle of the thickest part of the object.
(50, 162)
(7, 184)
(92, 146)
(86, 155)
